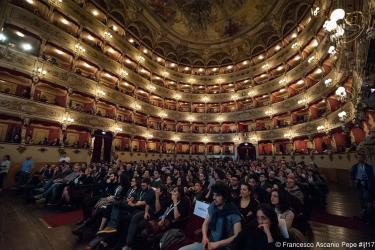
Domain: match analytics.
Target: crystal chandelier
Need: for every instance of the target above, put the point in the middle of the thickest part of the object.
(345, 27)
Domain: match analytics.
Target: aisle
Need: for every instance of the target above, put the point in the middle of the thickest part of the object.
(21, 229)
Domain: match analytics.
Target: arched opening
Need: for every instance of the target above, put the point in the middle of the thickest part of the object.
(246, 151)
(102, 146)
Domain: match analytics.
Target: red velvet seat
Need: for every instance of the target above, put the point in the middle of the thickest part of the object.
(193, 232)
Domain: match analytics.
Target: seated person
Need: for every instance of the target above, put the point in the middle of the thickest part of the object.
(54, 191)
(280, 201)
(177, 209)
(222, 224)
(263, 234)
(246, 203)
(136, 209)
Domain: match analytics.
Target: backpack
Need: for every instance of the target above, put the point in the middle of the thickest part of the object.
(170, 237)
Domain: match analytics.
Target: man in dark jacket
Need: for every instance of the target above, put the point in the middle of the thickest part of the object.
(362, 174)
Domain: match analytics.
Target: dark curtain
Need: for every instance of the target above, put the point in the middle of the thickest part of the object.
(246, 152)
(96, 152)
(107, 147)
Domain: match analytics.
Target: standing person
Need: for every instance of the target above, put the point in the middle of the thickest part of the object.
(222, 224)
(4, 169)
(362, 174)
(23, 176)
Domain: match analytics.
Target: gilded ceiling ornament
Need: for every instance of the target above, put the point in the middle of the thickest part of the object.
(275, 22)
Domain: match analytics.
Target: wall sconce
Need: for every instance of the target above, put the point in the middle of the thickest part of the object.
(205, 139)
(321, 128)
(295, 45)
(315, 11)
(328, 82)
(332, 50)
(151, 87)
(78, 49)
(253, 139)
(117, 130)
(123, 74)
(311, 59)
(177, 96)
(190, 118)
(269, 112)
(234, 97)
(100, 93)
(251, 93)
(175, 138)
(149, 136)
(67, 119)
(136, 106)
(205, 99)
(163, 115)
(342, 116)
(282, 82)
(191, 80)
(38, 71)
(220, 118)
(341, 93)
(219, 80)
(107, 35)
(141, 58)
(56, 3)
(289, 135)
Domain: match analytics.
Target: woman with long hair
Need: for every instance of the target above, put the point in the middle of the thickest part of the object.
(263, 234)
(280, 201)
(246, 203)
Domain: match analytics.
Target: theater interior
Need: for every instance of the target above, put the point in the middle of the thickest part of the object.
(246, 100)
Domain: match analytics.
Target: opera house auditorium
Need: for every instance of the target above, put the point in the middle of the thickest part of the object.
(187, 124)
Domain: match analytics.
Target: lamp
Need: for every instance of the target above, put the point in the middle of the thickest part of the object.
(78, 49)
(67, 119)
(117, 129)
(289, 135)
(163, 115)
(321, 128)
(107, 35)
(345, 27)
(342, 116)
(341, 93)
(56, 3)
(328, 82)
(175, 138)
(100, 93)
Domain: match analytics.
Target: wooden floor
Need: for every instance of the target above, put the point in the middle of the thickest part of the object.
(21, 229)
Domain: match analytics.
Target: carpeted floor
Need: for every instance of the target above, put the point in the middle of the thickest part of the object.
(62, 218)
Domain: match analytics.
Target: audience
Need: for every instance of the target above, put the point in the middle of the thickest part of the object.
(137, 202)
